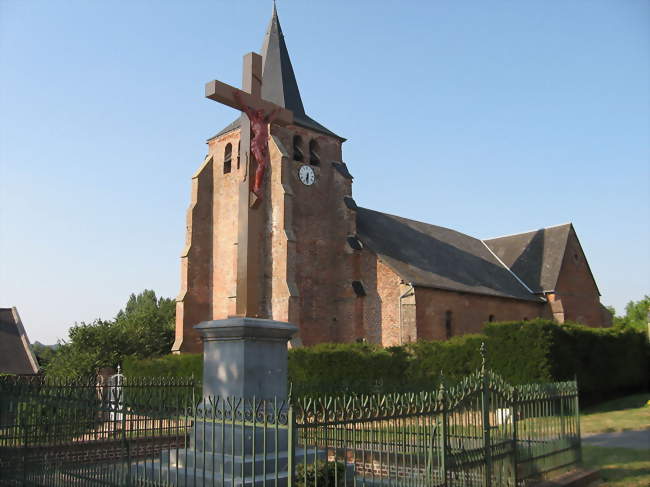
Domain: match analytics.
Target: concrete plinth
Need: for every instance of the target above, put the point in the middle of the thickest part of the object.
(190, 469)
(238, 439)
(245, 357)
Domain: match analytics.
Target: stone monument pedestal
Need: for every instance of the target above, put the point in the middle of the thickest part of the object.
(245, 440)
(245, 357)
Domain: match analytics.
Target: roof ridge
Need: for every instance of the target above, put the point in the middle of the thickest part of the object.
(509, 269)
(429, 255)
(423, 223)
(527, 231)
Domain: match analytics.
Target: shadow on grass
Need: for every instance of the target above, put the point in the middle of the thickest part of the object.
(619, 466)
(627, 402)
(625, 477)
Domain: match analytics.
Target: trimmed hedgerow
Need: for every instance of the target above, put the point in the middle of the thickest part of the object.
(346, 367)
(454, 358)
(606, 361)
(185, 365)
(524, 352)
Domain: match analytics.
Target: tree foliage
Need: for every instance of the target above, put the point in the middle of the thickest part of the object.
(143, 329)
(636, 315)
(44, 354)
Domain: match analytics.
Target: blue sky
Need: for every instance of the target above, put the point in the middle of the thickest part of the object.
(489, 117)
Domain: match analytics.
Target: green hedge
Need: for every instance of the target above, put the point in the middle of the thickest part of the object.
(606, 361)
(186, 365)
(346, 367)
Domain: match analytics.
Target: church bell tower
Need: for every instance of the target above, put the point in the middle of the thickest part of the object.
(286, 256)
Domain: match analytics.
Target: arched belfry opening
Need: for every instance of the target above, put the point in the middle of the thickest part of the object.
(297, 148)
(314, 156)
(227, 159)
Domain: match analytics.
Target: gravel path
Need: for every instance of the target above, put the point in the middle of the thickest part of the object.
(637, 439)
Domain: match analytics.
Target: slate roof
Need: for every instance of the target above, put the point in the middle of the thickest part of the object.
(15, 355)
(535, 257)
(279, 83)
(437, 257)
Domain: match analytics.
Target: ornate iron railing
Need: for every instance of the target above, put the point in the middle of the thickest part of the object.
(481, 431)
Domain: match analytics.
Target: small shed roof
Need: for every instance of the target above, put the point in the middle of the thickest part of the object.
(16, 356)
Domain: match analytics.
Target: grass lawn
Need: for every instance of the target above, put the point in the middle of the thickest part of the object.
(619, 467)
(627, 413)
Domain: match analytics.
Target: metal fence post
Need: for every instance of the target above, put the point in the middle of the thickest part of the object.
(25, 440)
(577, 419)
(291, 446)
(562, 418)
(485, 406)
(515, 413)
(442, 396)
(127, 453)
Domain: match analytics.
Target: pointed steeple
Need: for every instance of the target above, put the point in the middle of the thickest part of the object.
(279, 83)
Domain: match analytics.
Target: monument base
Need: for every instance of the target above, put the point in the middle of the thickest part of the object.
(227, 455)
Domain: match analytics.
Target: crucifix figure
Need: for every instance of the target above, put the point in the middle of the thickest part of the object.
(260, 114)
(260, 144)
(254, 137)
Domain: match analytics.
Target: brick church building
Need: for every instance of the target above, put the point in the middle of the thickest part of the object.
(344, 273)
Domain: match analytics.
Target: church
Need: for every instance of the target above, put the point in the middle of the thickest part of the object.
(307, 254)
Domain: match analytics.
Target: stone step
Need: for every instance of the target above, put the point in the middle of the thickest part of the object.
(218, 437)
(178, 467)
(196, 477)
(222, 462)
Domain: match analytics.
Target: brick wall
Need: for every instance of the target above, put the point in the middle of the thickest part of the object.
(224, 221)
(193, 303)
(469, 312)
(308, 265)
(576, 296)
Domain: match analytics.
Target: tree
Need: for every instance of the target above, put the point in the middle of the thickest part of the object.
(44, 354)
(636, 315)
(147, 325)
(144, 328)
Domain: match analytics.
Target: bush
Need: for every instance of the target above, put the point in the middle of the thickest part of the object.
(346, 367)
(524, 352)
(327, 474)
(455, 358)
(606, 361)
(186, 365)
(143, 329)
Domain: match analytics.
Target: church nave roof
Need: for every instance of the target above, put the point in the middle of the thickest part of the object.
(437, 257)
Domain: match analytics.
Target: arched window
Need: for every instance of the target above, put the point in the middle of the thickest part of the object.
(491, 318)
(448, 329)
(238, 153)
(227, 159)
(297, 148)
(314, 158)
(358, 289)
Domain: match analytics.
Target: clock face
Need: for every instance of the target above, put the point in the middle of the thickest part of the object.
(306, 175)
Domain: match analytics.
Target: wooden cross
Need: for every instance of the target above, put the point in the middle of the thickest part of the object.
(250, 232)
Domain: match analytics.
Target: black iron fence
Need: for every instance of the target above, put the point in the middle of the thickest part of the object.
(162, 432)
